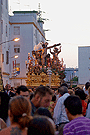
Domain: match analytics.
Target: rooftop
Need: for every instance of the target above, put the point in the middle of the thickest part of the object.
(23, 12)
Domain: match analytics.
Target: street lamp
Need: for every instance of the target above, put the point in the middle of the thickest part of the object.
(15, 39)
(16, 56)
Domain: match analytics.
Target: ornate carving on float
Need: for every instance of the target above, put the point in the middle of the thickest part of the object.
(44, 70)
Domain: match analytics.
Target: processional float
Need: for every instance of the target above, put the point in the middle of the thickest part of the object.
(41, 69)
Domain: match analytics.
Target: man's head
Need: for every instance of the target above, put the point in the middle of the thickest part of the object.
(7, 87)
(64, 84)
(87, 85)
(73, 106)
(23, 91)
(62, 90)
(42, 97)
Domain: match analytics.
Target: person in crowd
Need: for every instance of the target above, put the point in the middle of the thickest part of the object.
(71, 92)
(52, 104)
(57, 94)
(12, 92)
(88, 105)
(60, 116)
(87, 84)
(9, 90)
(19, 113)
(23, 91)
(79, 92)
(64, 84)
(43, 111)
(78, 125)
(42, 98)
(31, 95)
(34, 89)
(4, 101)
(41, 125)
(2, 124)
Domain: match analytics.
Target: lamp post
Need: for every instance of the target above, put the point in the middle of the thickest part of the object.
(15, 39)
(16, 56)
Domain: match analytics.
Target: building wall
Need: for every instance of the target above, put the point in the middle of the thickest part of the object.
(4, 37)
(70, 73)
(84, 64)
(0, 32)
(31, 33)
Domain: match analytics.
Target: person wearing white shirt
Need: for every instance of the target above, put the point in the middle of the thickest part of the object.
(60, 116)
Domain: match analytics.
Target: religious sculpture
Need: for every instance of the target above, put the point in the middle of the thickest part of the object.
(41, 61)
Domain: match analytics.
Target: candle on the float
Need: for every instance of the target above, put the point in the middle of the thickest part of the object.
(48, 64)
(44, 67)
(28, 56)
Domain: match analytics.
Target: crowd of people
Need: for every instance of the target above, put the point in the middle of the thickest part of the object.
(45, 111)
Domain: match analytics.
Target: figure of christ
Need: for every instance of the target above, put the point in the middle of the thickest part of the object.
(55, 52)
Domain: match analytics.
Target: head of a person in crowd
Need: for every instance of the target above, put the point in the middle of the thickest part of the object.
(41, 125)
(54, 98)
(62, 90)
(8, 87)
(20, 111)
(4, 101)
(76, 88)
(43, 111)
(89, 90)
(42, 97)
(81, 94)
(64, 84)
(87, 84)
(23, 91)
(34, 89)
(71, 92)
(53, 91)
(30, 90)
(73, 107)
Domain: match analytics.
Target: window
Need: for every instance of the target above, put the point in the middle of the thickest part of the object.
(2, 2)
(6, 30)
(16, 48)
(7, 57)
(16, 30)
(1, 27)
(2, 57)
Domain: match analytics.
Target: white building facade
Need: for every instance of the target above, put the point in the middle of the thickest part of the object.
(23, 25)
(4, 36)
(84, 64)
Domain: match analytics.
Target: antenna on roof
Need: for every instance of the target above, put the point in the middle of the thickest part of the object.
(40, 14)
(10, 11)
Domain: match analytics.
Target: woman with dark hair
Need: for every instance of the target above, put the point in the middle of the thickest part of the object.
(41, 125)
(4, 101)
(82, 96)
(19, 113)
(43, 111)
